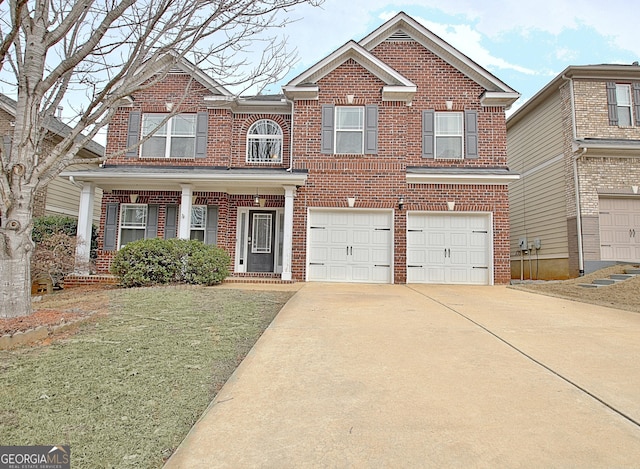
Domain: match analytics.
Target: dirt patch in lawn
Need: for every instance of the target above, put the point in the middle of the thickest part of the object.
(60, 307)
(623, 295)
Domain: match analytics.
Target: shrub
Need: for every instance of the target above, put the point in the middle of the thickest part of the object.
(161, 261)
(46, 226)
(53, 257)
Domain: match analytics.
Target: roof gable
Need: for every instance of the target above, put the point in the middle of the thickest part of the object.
(397, 87)
(403, 27)
(400, 28)
(183, 65)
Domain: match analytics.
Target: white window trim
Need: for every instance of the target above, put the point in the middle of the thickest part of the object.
(278, 137)
(436, 134)
(122, 224)
(169, 135)
(629, 106)
(336, 130)
(204, 227)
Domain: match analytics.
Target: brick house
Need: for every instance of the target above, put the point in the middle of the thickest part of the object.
(384, 162)
(576, 144)
(61, 197)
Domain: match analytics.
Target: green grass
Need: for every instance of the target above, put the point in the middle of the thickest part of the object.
(125, 390)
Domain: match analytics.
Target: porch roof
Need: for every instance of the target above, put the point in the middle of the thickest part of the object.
(427, 175)
(218, 179)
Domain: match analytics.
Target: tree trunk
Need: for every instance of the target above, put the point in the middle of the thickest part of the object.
(16, 248)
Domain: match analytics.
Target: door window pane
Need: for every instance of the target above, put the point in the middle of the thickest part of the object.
(261, 233)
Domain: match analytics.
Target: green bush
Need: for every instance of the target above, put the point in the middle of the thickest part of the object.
(161, 261)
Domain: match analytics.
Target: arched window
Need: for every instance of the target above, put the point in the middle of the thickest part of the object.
(264, 142)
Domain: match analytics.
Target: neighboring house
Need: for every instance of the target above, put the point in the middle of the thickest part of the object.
(576, 144)
(384, 162)
(61, 197)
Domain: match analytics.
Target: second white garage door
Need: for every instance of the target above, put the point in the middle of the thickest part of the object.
(449, 248)
(350, 246)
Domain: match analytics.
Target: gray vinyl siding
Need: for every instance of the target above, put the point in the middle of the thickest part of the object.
(538, 200)
(63, 198)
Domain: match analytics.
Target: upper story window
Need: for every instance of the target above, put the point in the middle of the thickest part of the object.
(623, 103)
(449, 138)
(450, 135)
(264, 142)
(176, 138)
(349, 130)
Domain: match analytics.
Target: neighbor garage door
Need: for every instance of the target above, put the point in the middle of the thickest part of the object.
(350, 246)
(449, 248)
(620, 229)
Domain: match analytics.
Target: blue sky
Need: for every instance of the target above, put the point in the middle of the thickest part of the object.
(523, 45)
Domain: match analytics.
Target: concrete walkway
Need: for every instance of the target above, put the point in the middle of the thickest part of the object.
(390, 376)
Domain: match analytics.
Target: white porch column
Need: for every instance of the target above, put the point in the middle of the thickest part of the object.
(287, 241)
(83, 233)
(184, 224)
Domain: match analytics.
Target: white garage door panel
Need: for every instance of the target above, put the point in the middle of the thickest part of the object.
(620, 229)
(359, 244)
(449, 248)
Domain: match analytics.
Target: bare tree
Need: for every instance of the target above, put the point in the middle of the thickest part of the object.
(103, 51)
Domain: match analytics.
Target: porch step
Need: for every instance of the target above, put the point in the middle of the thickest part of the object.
(257, 280)
(612, 280)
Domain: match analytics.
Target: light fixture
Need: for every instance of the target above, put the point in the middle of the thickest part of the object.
(449, 105)
(451, 206)
(351, 202)
(256, 200)
(401, 203)
(133, 198)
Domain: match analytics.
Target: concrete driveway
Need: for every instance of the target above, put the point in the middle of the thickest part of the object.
(372, 376)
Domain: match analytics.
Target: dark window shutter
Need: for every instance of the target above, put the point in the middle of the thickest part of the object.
(7, 145)
(211, 233)
(133, 133)
(171, 222)
(428, 133)
(636, 101)
(371, 129)
(471, 134)
(328, 113)
(110, 227)
(612, 104)
(202, 131)
(151, 231)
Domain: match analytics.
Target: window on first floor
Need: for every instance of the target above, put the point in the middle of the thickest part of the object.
(125, 223)
(198, 226)
(133, 223)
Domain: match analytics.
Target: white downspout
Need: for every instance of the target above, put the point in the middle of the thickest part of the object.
(293, 108)
(578, 211)
(576, 183)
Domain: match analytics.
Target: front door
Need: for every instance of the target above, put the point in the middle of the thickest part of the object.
(261, 241)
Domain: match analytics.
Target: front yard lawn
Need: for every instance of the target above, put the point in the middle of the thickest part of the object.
(126, 388)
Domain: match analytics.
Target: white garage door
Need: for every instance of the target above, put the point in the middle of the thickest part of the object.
(350, 246)
(449, 248)
(620, 229)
